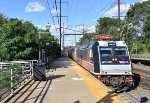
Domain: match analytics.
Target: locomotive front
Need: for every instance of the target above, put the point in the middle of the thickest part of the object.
(115, 64)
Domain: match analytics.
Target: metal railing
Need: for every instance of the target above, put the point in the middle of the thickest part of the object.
(14, 74)
(140, 56)
(4, 65)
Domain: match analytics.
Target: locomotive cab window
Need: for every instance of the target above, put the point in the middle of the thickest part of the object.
(122, 51)
(105, 51)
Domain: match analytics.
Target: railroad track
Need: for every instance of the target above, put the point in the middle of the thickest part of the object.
(129, 97)
(143, 73)
(142, 78)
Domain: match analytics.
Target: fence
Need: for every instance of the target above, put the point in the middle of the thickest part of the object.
(14, 74)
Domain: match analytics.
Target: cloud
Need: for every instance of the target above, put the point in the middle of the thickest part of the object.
(34, 7)
(114, 11)
(143, 0)
(40, 26)
(54, 11)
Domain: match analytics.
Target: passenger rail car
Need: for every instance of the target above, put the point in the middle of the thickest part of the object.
(109, 61)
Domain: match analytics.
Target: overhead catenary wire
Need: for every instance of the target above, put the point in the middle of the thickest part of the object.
(74, 30)
(56, 10)
(99, 12)
(49, 10)
(45, 16)
(89, 11)
(94, 21)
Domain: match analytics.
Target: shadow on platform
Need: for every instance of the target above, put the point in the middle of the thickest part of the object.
(60, 63)
(77, 101)
(107, 98)
(30, 87)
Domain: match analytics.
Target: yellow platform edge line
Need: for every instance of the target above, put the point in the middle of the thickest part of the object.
(102, 93)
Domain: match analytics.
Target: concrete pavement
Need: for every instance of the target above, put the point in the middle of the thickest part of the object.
(66, 82)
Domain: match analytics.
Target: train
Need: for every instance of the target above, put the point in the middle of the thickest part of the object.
(108, 60)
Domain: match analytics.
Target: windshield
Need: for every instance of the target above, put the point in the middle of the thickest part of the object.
(105, 51)
(120, 51)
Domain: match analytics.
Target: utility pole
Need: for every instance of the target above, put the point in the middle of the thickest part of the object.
(39, 43)
(119, 19)
(39, 47)
(60, 24)
(63, 37)
(83, 28)
(75, 36)
(75, 40)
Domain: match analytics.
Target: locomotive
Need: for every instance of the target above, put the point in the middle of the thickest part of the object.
(107, 60)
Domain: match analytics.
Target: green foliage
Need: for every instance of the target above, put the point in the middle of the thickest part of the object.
(53, 49)
(17, 40)
(107, 26)
(104, 24)
(139, 14)
(147, 33)
(6, 76)
(85, 39)
(135, 28)
(6, 82)
(2, 19)
(20, 39)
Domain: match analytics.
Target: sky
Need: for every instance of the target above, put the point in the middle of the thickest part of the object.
(76, 13)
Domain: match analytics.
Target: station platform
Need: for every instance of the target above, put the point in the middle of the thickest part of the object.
(141, 60)
(66, 82)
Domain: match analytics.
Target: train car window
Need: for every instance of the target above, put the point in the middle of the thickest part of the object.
(120, 51)
(78, 54)
(105, 51)
(84, 54)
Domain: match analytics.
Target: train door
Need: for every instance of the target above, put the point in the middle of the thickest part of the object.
(100, 66)
(90, 60)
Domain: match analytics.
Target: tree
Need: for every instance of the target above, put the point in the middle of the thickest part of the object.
(135, 28)
(147, 33)
(107, 26)
(53, 49)
(138, 16)
(2, 19)
(19, 40)
(86, 38)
